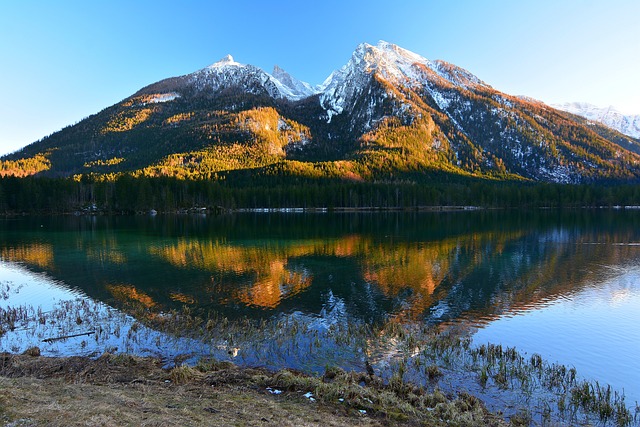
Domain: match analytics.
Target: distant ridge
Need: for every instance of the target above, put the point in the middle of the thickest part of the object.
(609, 116)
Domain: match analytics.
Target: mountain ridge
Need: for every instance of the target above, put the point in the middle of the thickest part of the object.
(628, 124)
(387, 114)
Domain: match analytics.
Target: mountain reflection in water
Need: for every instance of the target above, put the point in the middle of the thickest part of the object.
(436, 267)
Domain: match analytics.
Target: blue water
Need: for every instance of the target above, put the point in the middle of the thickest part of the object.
(595, 330)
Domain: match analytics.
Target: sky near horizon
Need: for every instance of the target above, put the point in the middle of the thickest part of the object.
(61, 61)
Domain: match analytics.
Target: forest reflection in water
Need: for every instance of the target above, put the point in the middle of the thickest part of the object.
(434, 267)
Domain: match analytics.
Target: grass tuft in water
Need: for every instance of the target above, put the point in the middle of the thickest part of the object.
(407, 361)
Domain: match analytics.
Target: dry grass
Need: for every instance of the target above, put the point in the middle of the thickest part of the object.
(55, 402)
(125, 390)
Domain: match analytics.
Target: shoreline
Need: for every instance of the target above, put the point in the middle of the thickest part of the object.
(129, 390)
(218, 210)
(405, 374)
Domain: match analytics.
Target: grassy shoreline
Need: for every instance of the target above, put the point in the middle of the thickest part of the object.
(115, 390)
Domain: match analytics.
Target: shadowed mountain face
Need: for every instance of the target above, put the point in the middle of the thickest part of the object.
(387, 114)
(433, 267)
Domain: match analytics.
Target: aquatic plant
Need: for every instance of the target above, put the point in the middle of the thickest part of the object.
(572, 396)
(413, 361)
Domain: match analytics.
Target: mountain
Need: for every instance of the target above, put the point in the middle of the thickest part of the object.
(227, 74)
(609, 116)
(387, 115)
(295, 88)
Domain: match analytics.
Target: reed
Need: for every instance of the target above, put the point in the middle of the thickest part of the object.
(404, 359)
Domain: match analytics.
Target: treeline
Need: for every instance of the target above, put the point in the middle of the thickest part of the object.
(127, 194)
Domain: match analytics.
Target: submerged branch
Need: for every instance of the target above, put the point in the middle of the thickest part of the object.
(64, 337)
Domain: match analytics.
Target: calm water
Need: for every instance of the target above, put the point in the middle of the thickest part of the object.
(562, 284)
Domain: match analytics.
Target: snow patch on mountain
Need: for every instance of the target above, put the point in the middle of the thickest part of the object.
(608, 116)
(441, 101)
(164, 97)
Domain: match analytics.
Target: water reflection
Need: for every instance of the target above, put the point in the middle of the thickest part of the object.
(593, 329)
(34, 254)
(129, 295)
(564, 284)
(441, 267)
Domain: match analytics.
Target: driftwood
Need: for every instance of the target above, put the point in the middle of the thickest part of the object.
(67, 336)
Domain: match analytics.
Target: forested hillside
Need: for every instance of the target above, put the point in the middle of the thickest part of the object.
(390, 128)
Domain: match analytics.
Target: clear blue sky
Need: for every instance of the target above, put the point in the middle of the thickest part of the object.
(63, 60)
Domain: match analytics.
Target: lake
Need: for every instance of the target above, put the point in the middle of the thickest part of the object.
(562, 284)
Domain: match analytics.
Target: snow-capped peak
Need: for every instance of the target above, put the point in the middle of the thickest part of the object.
(609, 116)
(390, 56)
(227, 72)
(226, 61)
(292, 87)
(390, 60)
(392, 63)
(340, 88)
(386, 60)
(401, 65)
